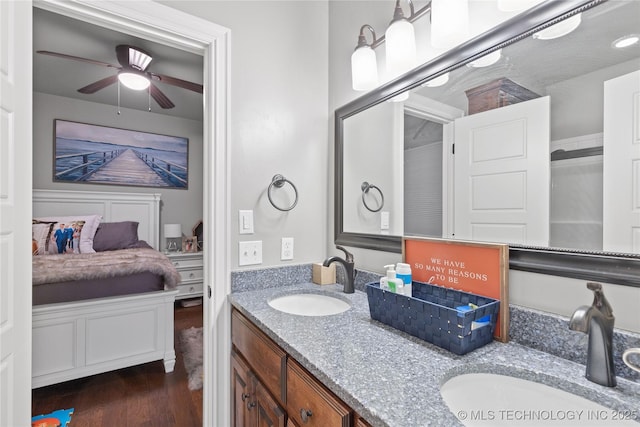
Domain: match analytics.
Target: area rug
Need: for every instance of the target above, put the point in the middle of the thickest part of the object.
(191, 345)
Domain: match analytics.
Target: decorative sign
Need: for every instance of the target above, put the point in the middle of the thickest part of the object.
(474, 267)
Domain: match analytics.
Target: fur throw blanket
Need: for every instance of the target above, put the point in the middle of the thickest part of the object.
(101, 265)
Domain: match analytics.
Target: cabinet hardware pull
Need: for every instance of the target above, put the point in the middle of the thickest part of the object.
(245, 396)
(305, 414)
(251, 405)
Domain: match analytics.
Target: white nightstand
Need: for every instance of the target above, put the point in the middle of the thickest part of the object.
(190, 267)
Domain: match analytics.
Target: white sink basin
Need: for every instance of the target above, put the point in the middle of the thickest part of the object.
(481, 399)
(309, 304)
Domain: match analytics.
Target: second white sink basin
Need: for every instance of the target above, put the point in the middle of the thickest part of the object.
(309, 304)
(482, 399)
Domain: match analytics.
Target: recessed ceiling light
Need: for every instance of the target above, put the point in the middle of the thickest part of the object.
(438, 81)
(626, 41)
(486, 60)
(560, 29)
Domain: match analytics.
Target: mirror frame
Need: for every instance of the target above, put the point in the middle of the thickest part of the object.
(616, 268)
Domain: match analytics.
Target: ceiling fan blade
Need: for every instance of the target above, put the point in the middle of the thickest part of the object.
(77, 58)
(177, 82)
(100, 84)
(160, 97)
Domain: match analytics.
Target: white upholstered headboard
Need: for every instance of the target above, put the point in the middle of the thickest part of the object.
(141, 207)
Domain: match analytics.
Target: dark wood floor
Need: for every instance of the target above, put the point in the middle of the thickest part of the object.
(138, 396)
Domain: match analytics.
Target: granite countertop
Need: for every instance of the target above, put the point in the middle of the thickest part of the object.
(393, 379)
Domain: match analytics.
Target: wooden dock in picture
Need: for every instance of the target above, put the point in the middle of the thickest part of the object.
(130, 169)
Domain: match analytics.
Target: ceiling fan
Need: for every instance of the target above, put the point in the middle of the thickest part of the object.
(132, 73)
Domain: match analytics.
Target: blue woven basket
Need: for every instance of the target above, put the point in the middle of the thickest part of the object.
(431, 315)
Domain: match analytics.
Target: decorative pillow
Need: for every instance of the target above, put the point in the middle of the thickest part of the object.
(112, 236)
(72, 234)
(40, 232)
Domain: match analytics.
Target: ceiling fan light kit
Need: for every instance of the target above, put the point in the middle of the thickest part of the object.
(133, 74)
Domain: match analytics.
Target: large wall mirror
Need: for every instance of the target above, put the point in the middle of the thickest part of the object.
(535, 150)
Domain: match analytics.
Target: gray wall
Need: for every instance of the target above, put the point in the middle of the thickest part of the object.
(278, 118)
(178, 206)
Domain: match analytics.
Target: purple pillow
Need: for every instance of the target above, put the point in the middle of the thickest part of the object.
(112, 236)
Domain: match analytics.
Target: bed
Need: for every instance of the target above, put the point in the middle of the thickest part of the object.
(89, 324)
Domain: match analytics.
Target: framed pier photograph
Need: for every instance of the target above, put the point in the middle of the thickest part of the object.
(97, 154)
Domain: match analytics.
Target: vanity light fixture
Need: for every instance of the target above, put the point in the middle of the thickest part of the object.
(364, 66)
(449, 23)
(626, 41)
(560, 29)
(401, 43)
(400, 50)
(486, 60)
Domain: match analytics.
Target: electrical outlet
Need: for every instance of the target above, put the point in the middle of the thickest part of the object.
(250, 253)
(286, 250)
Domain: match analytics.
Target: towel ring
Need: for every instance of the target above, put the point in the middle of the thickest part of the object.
(365, 189)
(278, 181)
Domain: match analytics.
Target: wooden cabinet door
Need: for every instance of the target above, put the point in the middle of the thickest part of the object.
(241, 393)
(310, 404)
(268, 412)
(361, 423)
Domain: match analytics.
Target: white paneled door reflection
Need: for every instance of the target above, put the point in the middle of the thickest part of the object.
(502, 174)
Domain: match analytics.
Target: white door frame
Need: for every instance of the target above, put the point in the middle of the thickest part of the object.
(156, 22)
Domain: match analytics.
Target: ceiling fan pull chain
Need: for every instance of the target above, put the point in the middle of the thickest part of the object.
(149, 96)
(118, 97)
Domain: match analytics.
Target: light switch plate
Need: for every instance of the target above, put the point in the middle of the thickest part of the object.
(384, 220)
(245, 221)
(250, 253)
(286, 250)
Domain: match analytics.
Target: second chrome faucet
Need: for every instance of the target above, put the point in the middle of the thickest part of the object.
(349, 267)
(597, 322)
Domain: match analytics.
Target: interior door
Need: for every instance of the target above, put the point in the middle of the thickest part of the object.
(15, 213)
(621, 168)
(502, 174)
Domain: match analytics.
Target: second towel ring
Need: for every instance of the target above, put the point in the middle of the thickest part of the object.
(279, 181)
(365, 189)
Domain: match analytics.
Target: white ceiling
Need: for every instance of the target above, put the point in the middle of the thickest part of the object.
(63, 77)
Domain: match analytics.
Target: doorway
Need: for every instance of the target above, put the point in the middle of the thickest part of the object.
(160, 24)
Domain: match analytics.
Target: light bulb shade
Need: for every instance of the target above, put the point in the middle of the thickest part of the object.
(133, 80)
(364, 68)
(516, 5)
(400, 98)
(486, 60)
(400, 41)
(449, 23)
(438, 81)
(172, 231)
(560, 29)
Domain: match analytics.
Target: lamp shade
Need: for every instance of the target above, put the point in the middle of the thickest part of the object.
(400, 47)
(364, 68)
(172, 231)
(449, 23)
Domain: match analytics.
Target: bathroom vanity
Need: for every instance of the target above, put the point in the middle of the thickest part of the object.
(348, 370)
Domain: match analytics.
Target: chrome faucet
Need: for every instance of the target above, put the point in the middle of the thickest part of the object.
(348, 265)
(597, 321)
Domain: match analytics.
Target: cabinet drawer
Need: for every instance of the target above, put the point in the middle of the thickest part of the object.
(191, 274)
(186, 262)
(189, 289)
(265, 357)
(309, 403)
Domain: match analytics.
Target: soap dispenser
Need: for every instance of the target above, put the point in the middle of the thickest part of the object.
(391, 282)
(403, 272)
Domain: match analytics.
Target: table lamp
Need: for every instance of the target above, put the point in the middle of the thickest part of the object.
(173, 236)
